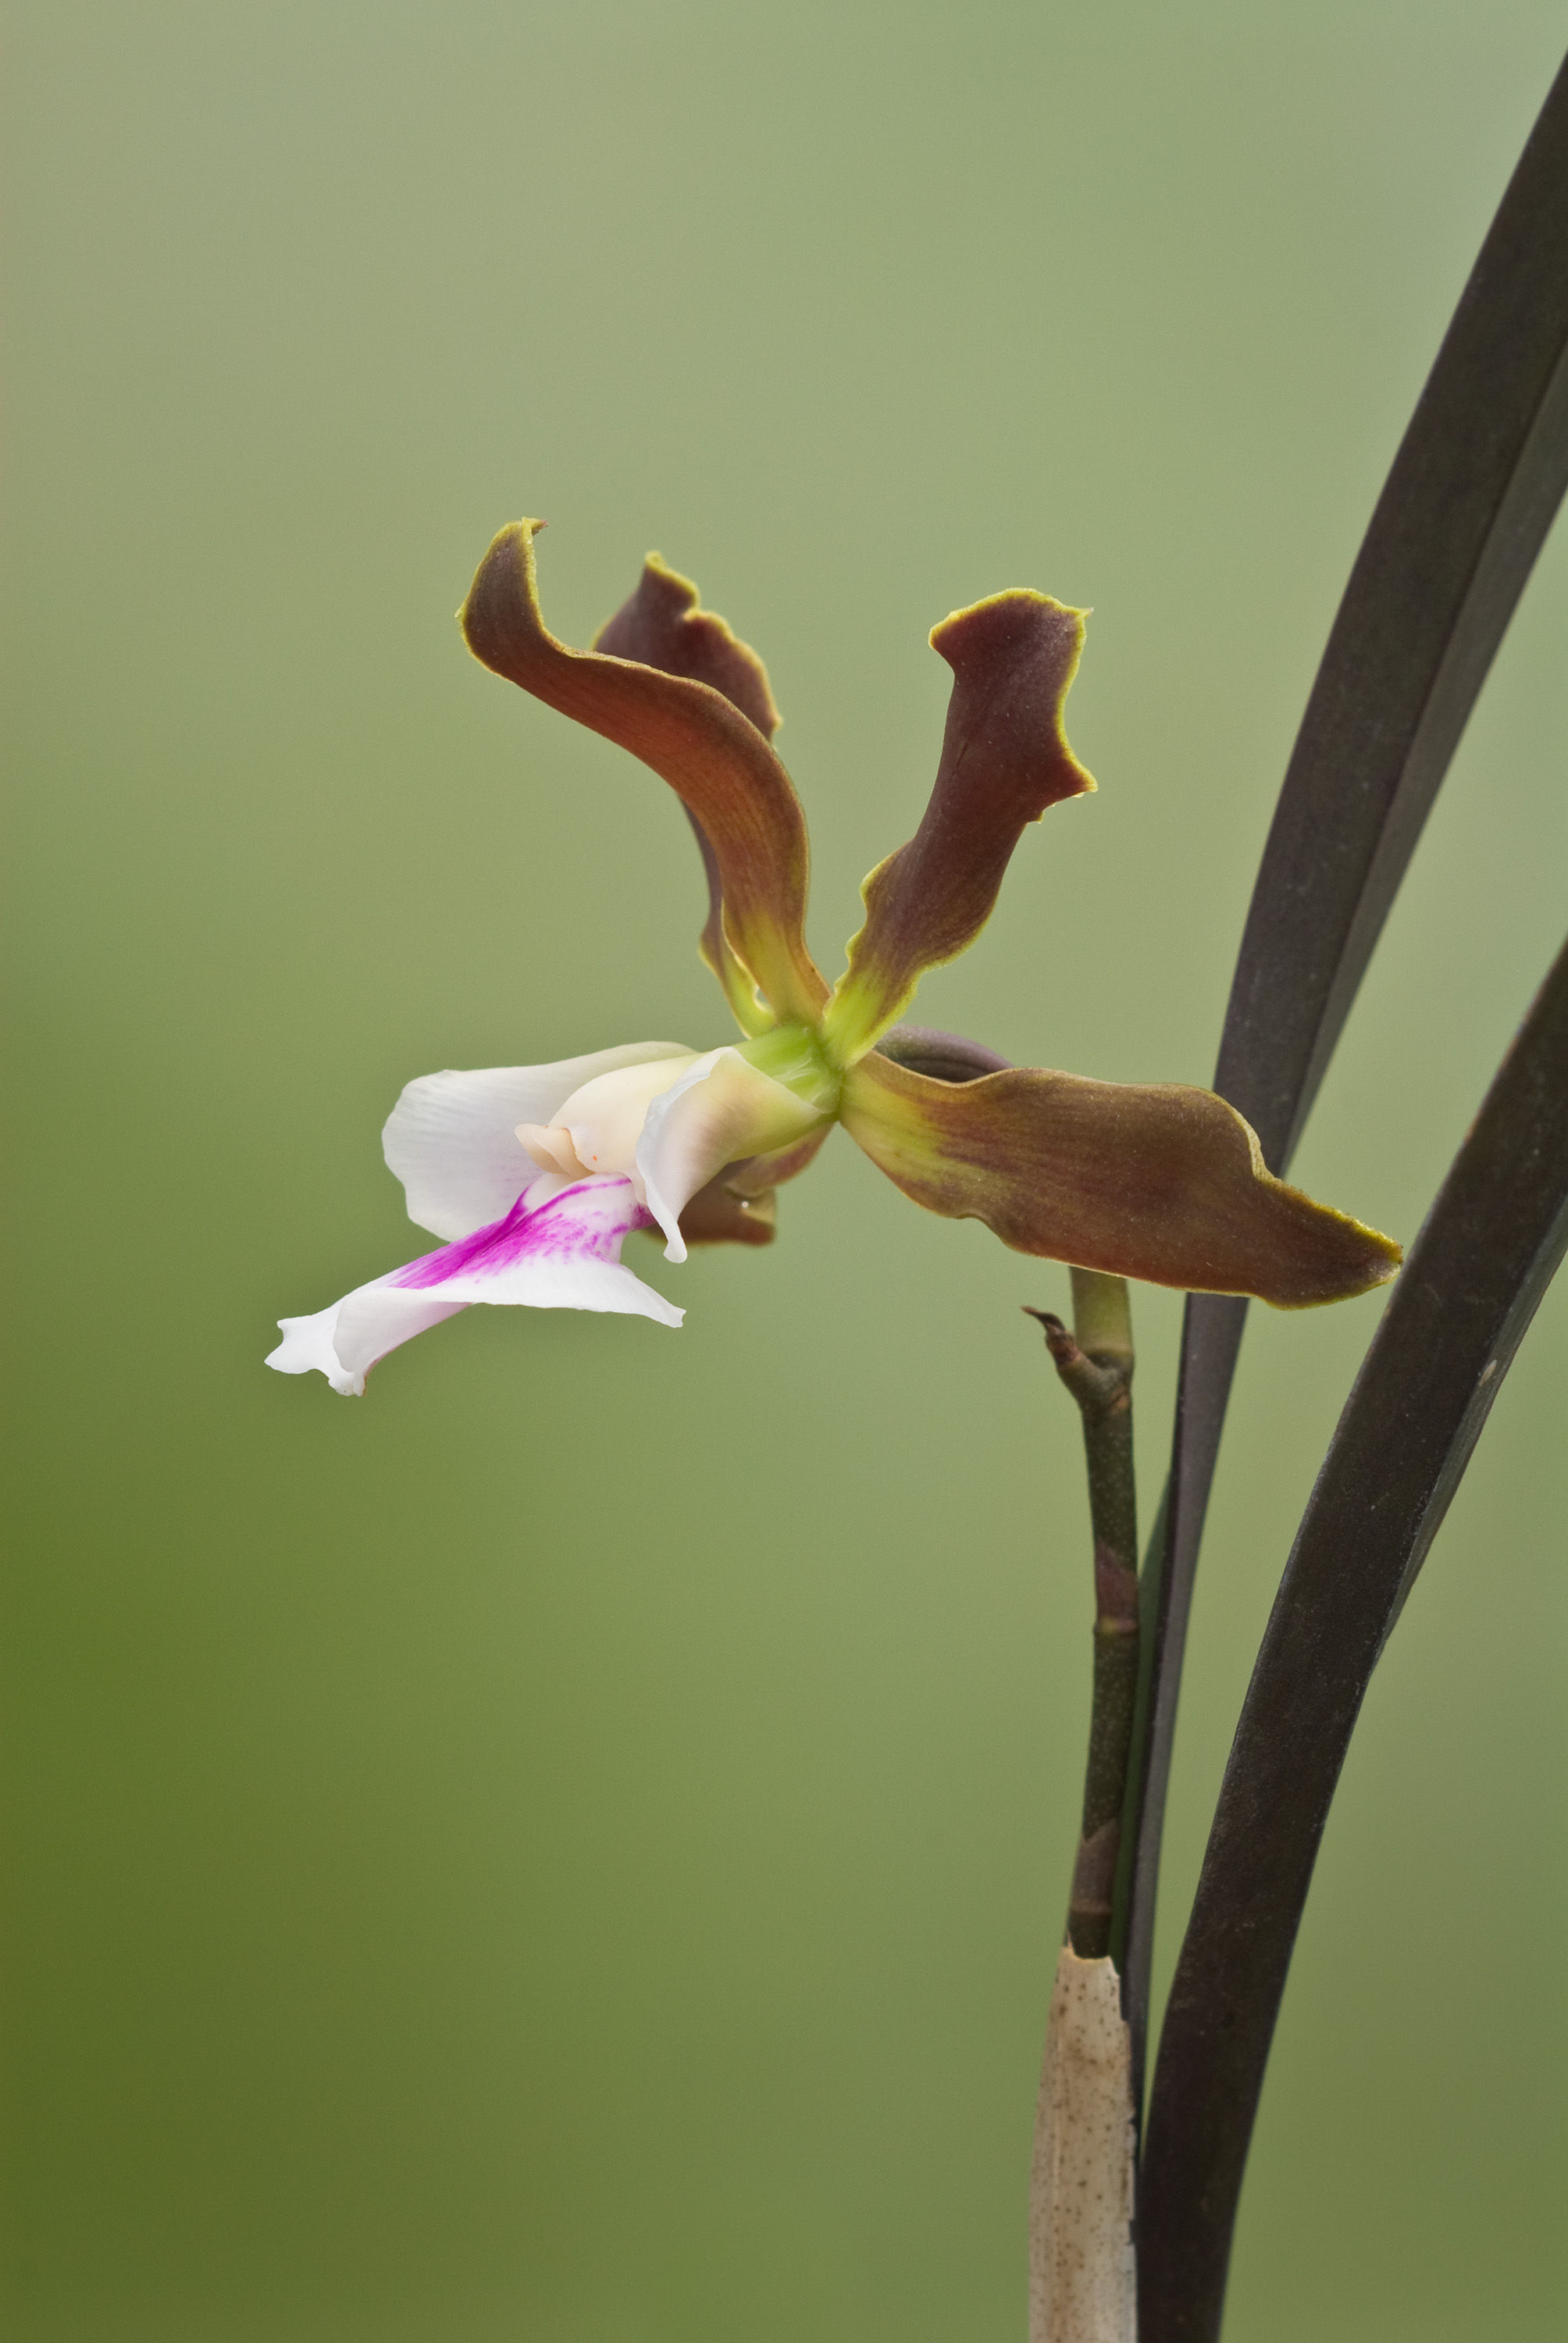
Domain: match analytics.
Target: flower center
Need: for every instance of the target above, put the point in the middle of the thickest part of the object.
(793, 1055)
(595, 1131)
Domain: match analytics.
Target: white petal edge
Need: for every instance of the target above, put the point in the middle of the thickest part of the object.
(720, 1110)
(580, 1272)
(452, 1140)
(312, 1343)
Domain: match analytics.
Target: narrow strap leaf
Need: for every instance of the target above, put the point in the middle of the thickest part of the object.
(1473, 488)
(1476, 1273)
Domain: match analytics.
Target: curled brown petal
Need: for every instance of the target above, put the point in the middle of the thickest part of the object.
(1004, 760)
(661, 626)
(1155, 1181)
(714, 757)
(945, 1057)
(717, 1215)
(756, 1174)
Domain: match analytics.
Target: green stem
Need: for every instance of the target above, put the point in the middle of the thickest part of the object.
(1095, 1363)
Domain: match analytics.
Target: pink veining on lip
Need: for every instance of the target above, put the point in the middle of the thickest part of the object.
(589, 1218)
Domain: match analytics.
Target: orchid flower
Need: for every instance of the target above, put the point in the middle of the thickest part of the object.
(534, 1175)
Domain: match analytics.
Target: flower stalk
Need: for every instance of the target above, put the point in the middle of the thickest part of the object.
(1094, 1362)
(1083, 2281)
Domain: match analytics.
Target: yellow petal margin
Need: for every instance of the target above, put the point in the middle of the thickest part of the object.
(1004, 760)
(717, 761)
(1156, 1181)
(663, 625)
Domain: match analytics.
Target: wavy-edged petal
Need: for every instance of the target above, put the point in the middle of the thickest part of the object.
(452, 1137)
(558, 1248)
(720, 1110)
(717, 761)
(1155, 1181)
(663, 625)
(1004, 760)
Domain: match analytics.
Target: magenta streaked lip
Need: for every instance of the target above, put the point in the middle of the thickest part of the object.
(541, 1232)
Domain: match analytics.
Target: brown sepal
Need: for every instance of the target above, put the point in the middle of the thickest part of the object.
(662, 626)
(714, 757)
(717, 1215)
(1004, 760)
(1155, 1181)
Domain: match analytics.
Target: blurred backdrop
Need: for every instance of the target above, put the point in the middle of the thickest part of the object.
(572, 1846)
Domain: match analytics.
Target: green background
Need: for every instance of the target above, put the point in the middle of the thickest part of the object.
(571, 1847)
